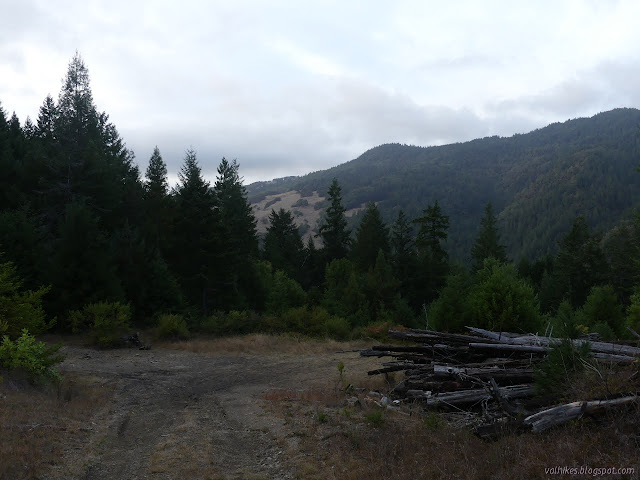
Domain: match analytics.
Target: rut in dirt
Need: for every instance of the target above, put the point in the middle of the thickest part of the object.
(183, 414)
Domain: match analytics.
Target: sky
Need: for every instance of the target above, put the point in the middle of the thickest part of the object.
(290, 87)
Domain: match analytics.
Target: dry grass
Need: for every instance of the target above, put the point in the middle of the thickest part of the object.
(331, 439)
(38, 425)
(186, 453)
(262, 344)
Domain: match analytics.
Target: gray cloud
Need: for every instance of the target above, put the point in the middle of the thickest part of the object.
(288, 88)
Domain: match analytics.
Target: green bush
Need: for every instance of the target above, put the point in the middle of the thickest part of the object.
(106, 322)
(233, 323)
(28, 356)
(500, 300)
(633, 311)
(602, 307)
(563, 362)
(338, 328)
(172, 327)
(19, 309)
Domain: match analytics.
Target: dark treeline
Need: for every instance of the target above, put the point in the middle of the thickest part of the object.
(81, 226)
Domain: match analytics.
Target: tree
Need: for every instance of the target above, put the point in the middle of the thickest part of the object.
(158, 212)
(580, 263)
(333, 231)
(501, 301)
(238, 236)
(372, 236)
(197, 234)
(602, 309)
(432, 257)
(282, 243)
(403, 256)
(487, 243)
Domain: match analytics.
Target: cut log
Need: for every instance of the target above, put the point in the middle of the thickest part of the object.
(601, 347)
(509, 347)
(515, 375)
(466, 397)
(564, 413)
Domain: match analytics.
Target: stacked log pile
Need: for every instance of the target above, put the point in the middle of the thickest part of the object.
(488, 372)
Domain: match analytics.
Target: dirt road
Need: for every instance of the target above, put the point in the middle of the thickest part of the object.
(178, 414)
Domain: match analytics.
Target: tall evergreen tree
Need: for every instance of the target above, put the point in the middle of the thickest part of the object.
(433, 258)
(158, 210)
(283, 245)
(372, 235)
(580, 264)
(333, 231)
(197, 232)
(239, 235)
(487, 243)
(402, 248)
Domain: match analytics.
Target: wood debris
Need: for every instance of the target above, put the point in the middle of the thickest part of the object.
(490, 373)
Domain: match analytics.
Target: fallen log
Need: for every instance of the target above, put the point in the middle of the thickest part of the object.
(510, 348)
(564, 413)
(427, 336)
(534, 340)
(516, 375)
(466, 397)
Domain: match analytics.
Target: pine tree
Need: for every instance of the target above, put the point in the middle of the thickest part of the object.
(333, 230)
(282, 244)
(198, 228)
(433, 258)
(402, 248)
(239, 236)
(580, 263)
(158, 211)
(372, 236)
(487, 243)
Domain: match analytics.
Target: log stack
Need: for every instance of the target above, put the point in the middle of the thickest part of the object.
(487, 372)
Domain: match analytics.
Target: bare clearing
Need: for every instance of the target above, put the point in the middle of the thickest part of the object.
(179, 414)
(262, 407)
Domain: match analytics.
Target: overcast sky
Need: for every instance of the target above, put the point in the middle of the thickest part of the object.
(289, 87)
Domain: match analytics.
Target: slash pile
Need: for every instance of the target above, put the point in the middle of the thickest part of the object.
(488, 371)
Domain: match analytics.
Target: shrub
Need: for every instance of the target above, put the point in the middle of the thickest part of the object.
(28, 356)
(172, 327)
(106, 322)
(338, 328)
(602, 307)
(233, 323)
(19, 309)
(633, 311)
(563, 362)
(501, 301)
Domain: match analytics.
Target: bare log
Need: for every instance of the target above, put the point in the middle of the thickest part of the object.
(564, 413)
(633, 332)
(466, 397)
(510, 348)
(601, 347)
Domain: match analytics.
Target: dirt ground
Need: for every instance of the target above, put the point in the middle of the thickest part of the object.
(178, 414)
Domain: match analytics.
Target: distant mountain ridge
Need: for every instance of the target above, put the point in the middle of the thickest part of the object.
(538, 182)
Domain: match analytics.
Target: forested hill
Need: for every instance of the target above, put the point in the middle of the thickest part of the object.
(538, 182)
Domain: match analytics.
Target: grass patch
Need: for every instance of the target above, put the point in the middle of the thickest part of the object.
(258, 343)
(39, 424)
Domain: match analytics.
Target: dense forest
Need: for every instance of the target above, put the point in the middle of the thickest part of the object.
(90, 244)
(538, 182)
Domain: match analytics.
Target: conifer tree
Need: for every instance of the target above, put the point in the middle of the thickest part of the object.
(487, 243)
(282, 244)
(580, 264)
(239, 236)
(158, 211)
(333, 231)
(433, 258)
(372, 236)
(197, 230)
